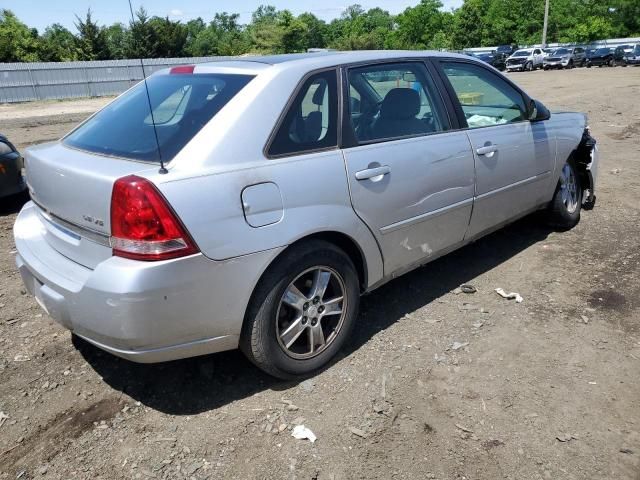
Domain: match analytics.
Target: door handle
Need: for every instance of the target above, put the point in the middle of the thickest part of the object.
(371, 173)
(487, 150)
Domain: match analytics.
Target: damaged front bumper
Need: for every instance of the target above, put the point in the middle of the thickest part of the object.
(588, 160)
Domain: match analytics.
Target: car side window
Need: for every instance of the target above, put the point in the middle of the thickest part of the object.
(393, 101)
(537, 51)
(485, 98)
(311, 122)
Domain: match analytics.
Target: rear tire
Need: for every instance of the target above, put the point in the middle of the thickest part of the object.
(294, 327)
(564, 209)
(528, 67)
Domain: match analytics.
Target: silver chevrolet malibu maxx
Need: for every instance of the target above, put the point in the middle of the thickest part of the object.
(250, 202)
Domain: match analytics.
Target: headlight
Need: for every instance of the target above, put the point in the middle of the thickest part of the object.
(4, 148)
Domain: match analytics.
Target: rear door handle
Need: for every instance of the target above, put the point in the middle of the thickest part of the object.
(371, 173)
(487, 150)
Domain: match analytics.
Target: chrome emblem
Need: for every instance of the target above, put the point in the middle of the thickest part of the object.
(93, 220)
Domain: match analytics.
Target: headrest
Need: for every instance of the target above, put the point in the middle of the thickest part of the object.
(318, 95)
(400, 104)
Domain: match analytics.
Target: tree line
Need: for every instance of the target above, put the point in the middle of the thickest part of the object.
(424, 26)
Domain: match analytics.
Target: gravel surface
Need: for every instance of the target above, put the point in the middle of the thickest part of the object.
(436, 384)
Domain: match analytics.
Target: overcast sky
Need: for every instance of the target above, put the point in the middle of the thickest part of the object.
(40, 13)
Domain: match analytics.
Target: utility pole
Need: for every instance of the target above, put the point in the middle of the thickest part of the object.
(546, 22)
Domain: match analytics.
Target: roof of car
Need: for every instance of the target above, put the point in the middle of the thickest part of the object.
(329, 58)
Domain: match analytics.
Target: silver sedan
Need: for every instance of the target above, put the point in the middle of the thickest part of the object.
(249, 203)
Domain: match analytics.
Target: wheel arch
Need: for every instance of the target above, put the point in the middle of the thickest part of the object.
(339, 239)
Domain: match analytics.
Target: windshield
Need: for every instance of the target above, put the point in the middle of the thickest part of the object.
(636, 50)
(562, 51)
(603, 51)
(522, 53)
(181, 104)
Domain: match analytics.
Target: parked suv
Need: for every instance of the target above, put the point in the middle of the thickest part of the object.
(633, 58)
(621, 55)
(525, 60)
(250, 202)
(566, 57)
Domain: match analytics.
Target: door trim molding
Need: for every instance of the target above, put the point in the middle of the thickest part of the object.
(425, 216)
(517, 184)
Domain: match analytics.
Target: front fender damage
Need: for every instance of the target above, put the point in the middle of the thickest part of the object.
(586, 161)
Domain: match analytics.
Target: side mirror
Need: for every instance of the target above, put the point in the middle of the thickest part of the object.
(538, 112)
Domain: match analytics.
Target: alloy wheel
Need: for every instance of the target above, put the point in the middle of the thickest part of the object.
(311, 312)
(569, 188)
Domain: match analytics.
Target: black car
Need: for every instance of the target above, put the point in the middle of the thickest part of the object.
(602, 56)
(11, 179)
(506, 50)
(495, 59)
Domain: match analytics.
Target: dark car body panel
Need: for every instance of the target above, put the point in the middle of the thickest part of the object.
(11, 179)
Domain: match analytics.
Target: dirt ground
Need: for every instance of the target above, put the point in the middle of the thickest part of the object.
(434, 385)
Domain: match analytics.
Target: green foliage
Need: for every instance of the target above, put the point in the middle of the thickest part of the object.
(18, 43)
(426, 25)
(58, 44)
(91, 42)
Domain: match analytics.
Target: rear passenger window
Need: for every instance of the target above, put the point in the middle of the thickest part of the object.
(312, 119)
(486, 99)
(393, 101)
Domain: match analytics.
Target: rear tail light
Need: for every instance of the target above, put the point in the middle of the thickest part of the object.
(143, 225)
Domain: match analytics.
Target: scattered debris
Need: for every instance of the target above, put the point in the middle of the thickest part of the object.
(303, 433)
(193, 468)
(308, 385)
(584, 318)
(566, 437)
(616, 171)
(628, 451)
(465, 288)
(290, 406)
(357, 432)
(458, 345)
(509, 296)
(463, 428)
(493, 443)
(383, 391)
(3, 418)
(478, 324)
(21, 358)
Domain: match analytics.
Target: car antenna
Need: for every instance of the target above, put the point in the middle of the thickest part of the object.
(162, 170)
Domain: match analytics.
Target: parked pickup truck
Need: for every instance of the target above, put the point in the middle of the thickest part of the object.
(525, 60)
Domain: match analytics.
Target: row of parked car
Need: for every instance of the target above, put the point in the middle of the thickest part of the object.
(512, 59)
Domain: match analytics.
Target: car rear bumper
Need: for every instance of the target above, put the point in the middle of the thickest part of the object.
(142, 311)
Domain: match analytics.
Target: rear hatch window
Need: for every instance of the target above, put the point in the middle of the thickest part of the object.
(181, 104)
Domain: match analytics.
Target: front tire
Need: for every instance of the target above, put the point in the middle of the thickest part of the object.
(564, 209)
(302, 311)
